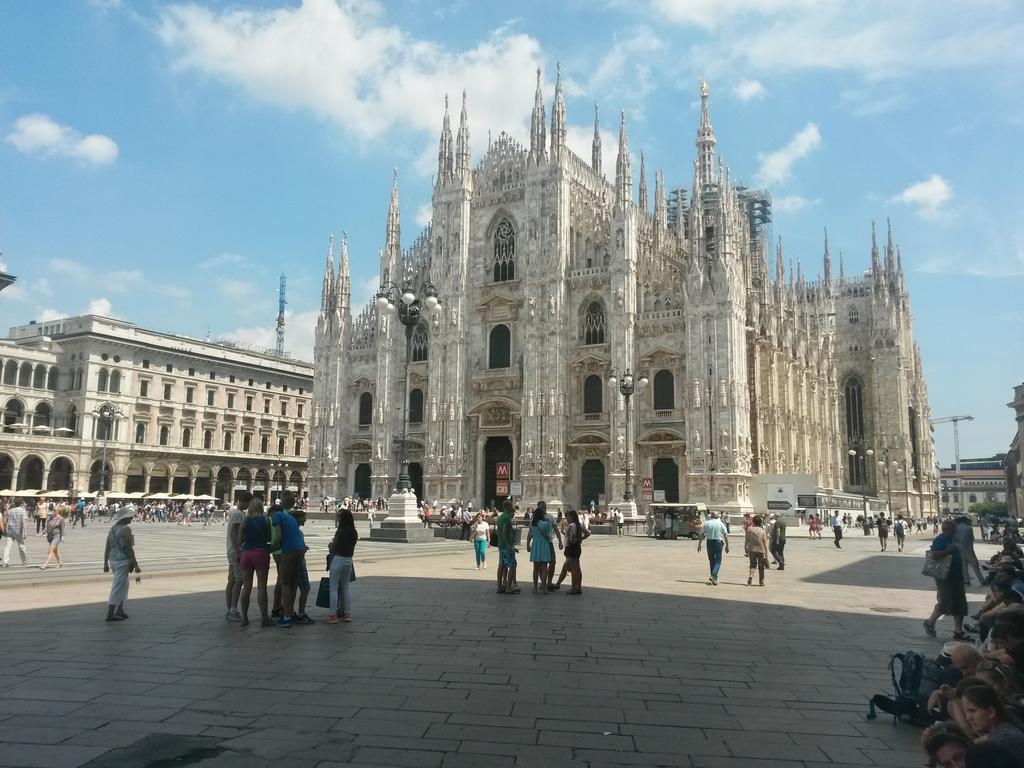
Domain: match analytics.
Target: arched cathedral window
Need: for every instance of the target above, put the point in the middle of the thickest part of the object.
(853, 392)
(854, 316)
(592, 331)
(504, 252)
(420, 343)
(664, 391)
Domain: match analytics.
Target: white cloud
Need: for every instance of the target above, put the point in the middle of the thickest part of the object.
(69, 269)
(38, 134)
(100, 307)
(747, 90)
(106, 5)
(626, 67)
(366, 292)
(222, 260)
(29, 290)
(237, 290)
(48, 315)
(929, 196)
(300, 331)
(424, 214)
(879, 41)
(125, 280)
(342, 63)
(791, 203)
(776, 167)
(712, 13)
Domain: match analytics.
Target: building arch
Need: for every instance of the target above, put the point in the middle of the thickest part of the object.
(78, 378)
(165, 435)
(103, 380)
(25, 375)
(140, 433)
(298, 446)
(39, 377)
(208, 440)
(186, 437)
(592, 482)
(416, 406)
(6, 471)
(115, 382)
(499, 347)
(11, 373)
(592, 322)
(247, 442)
(30, 473)
(60, 476)
(228, 440)
(420, 343)
(664, 390)
(42, 416)
(51, 378)
(503, 262)
(14, 413)
(264, 443)
(281, 441)
(593, 394)
(365, 409)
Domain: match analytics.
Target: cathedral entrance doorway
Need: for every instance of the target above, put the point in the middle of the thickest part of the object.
(361, 489)
(496, 450)
(591, 482)
(666, 478)
(416, 478)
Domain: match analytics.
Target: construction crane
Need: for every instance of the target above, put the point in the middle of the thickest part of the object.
(956, 434)
(279, 349)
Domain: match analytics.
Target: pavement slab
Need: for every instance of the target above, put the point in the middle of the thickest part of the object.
(649, 667)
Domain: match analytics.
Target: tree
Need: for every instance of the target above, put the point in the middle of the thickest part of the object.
(988, 509)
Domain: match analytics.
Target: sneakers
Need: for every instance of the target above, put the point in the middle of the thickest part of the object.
(284, 623)
(303, 619)
(346, 617)
(232, 616)
(330, 618)
(714, 581)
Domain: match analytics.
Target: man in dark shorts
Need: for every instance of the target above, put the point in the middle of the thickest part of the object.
(287, 536)
(883, 532)
(900, 529)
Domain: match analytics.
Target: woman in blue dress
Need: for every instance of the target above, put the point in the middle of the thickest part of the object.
(538, 544)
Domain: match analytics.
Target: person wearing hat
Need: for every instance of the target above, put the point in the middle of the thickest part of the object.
(119, 559)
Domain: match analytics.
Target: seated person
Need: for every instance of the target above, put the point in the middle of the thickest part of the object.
(965, 659)
(1001, 595)
(981, 713)
(1008, 640)
(945, 744)
(1004, 680)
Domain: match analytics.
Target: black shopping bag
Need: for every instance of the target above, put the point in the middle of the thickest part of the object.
(323, 594)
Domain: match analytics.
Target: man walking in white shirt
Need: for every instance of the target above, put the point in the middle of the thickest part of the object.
(15, 525)
(714, 534)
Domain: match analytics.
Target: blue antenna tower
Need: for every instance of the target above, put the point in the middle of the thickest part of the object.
(279, 350)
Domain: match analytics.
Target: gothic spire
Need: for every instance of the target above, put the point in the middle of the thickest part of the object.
(842, 270)
(462, 149)
(444, 150)
(876, 264)
(705, 140)
(327, 293)
(623, 171)
(828, 261)
(393, 239)
(660, 203)
(538, 139)
(344, 279)
(643, 184)
(558, 114)
(890, 251)
(780, 267)
(595, 148)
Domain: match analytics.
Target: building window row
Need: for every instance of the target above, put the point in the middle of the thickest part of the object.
(29, 376)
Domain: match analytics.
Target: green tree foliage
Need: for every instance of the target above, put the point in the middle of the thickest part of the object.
(988, 509)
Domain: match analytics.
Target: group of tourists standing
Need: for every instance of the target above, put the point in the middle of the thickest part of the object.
(14, 526)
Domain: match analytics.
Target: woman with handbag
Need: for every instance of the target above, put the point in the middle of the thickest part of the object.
(54, 534)
(342, 549)
(945, 564)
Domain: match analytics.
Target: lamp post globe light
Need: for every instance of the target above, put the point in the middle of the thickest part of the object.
(411, 303)
(627, 384)
(107, 413)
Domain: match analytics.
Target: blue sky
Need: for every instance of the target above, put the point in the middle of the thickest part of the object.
(165, 162)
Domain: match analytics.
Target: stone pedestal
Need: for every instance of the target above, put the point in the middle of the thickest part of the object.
(402, 523)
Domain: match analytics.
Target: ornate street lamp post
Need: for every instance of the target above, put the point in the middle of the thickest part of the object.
(107, 413)
(627, 385)
(862, 454)
(410, 302)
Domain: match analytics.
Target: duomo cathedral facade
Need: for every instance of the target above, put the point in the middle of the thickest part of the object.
(553, 276)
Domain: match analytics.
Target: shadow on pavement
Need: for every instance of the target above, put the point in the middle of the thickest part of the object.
(447, 673)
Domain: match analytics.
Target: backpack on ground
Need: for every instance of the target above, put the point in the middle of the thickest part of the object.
(914, 677)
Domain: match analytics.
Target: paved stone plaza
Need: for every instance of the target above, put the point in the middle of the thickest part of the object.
(649, 667)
